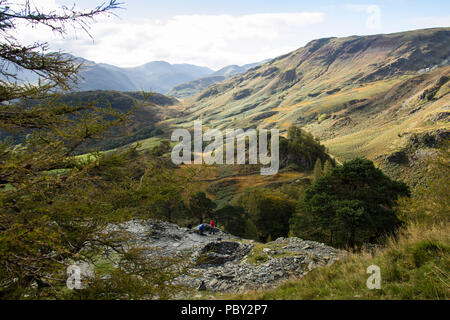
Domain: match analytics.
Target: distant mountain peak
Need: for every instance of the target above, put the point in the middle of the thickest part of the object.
(192, 87)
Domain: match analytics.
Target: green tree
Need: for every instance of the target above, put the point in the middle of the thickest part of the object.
(351, 205)
(251, 232)
(161, 149)
(169, 205)
(269, 211)
(302, 149)
(318, 169)
(233, 219)
(53, 202)
(201, 207)
(327, 166)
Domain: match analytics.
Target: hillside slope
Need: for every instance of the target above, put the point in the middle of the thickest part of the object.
(143, 122)
(362, 95)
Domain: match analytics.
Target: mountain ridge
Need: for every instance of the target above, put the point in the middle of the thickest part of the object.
(333, 87)
(154, 76)
(192, 87)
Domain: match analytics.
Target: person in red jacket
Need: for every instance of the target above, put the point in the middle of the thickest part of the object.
(212, 228)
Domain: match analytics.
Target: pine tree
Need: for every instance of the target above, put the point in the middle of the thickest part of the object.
(351, 205)
(318, 169)
(327, 167)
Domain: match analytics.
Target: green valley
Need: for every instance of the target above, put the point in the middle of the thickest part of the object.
(95, 202)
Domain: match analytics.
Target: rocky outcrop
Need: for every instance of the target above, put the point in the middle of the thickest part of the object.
(275, 262)
(419, 146)
(398, 157)
(218, 253)
(242, 94)
(224, 263)
(168, 238)
(431, 139)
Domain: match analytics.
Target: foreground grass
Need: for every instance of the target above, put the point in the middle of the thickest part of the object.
(415, 266)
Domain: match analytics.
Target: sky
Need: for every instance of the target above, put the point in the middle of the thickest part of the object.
(218, 33)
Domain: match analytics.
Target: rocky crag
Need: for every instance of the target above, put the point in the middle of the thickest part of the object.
(225, 263)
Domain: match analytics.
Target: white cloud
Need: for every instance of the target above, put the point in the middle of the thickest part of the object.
(212, 40)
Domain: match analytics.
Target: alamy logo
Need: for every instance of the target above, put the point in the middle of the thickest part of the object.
(374, 281)
(74, 277)
(213, 153)
(78, 275)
